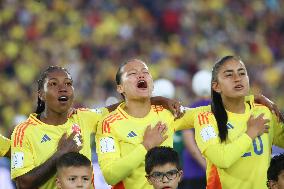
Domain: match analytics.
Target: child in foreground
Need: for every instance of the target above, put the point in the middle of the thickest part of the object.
(74, 170)
(275, 172)
(163, 168)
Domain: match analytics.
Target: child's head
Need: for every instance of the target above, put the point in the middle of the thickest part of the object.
(74, 170)
(275, 173)
(163, 168)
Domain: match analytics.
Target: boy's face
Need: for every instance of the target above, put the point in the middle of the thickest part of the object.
(74, 177)
(165, 176)
(278, 184)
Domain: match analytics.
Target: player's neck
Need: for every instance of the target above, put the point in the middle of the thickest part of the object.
(137, 108)
(52, 118)
(234, 105)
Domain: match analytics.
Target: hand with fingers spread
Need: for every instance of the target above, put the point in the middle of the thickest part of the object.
(175, 108)
(257, 126)
(154, 136)
(72, 143)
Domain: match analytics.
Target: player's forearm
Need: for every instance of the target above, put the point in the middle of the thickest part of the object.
(225, 155)
(116, 170)
(39, 175)
(159, 100)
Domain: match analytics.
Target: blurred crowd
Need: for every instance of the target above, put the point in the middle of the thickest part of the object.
(92, 37)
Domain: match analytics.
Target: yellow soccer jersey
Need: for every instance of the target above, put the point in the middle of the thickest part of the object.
(239, 162)
(4, 145)
(33, 141)
(120, 152)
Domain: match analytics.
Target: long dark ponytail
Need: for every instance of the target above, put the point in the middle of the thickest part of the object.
(217, 106)
(40, 82)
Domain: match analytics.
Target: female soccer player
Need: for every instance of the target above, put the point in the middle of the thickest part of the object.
(49, 133)
(234, 135)
(126, 134)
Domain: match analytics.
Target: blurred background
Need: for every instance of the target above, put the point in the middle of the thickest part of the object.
(91, 38)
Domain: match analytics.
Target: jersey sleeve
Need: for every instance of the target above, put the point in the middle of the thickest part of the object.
(187, 120)
(278, 138)
(223, 155)
(114, 167)
(4, 145)
(22, 155)
(91, 117)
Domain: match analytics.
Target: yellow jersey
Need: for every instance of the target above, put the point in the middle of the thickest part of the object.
(121, 155)
(4, 145)
(33, 141)
(239, 162)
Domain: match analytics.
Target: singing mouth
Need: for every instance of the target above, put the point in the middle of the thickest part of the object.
(63, 98)
(142, 84)
(239, 86)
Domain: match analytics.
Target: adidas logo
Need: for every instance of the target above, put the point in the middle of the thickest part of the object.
(230, 126)
(45, 138)
(131, 134)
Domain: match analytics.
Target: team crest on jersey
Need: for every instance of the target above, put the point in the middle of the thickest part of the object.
(208, 133)
(158, 108)
(76, 128)
(203, 118)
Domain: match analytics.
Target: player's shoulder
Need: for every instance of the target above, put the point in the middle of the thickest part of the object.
(28, 125)
(204, 108)
(198, 110)
(260, 107)
(111, 119)
(90, 110)
(115, 116)
(161, 110)
(25, 130)
(3, 139)
(88, 114)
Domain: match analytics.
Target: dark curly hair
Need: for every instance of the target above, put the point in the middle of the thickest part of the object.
(275, 168)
